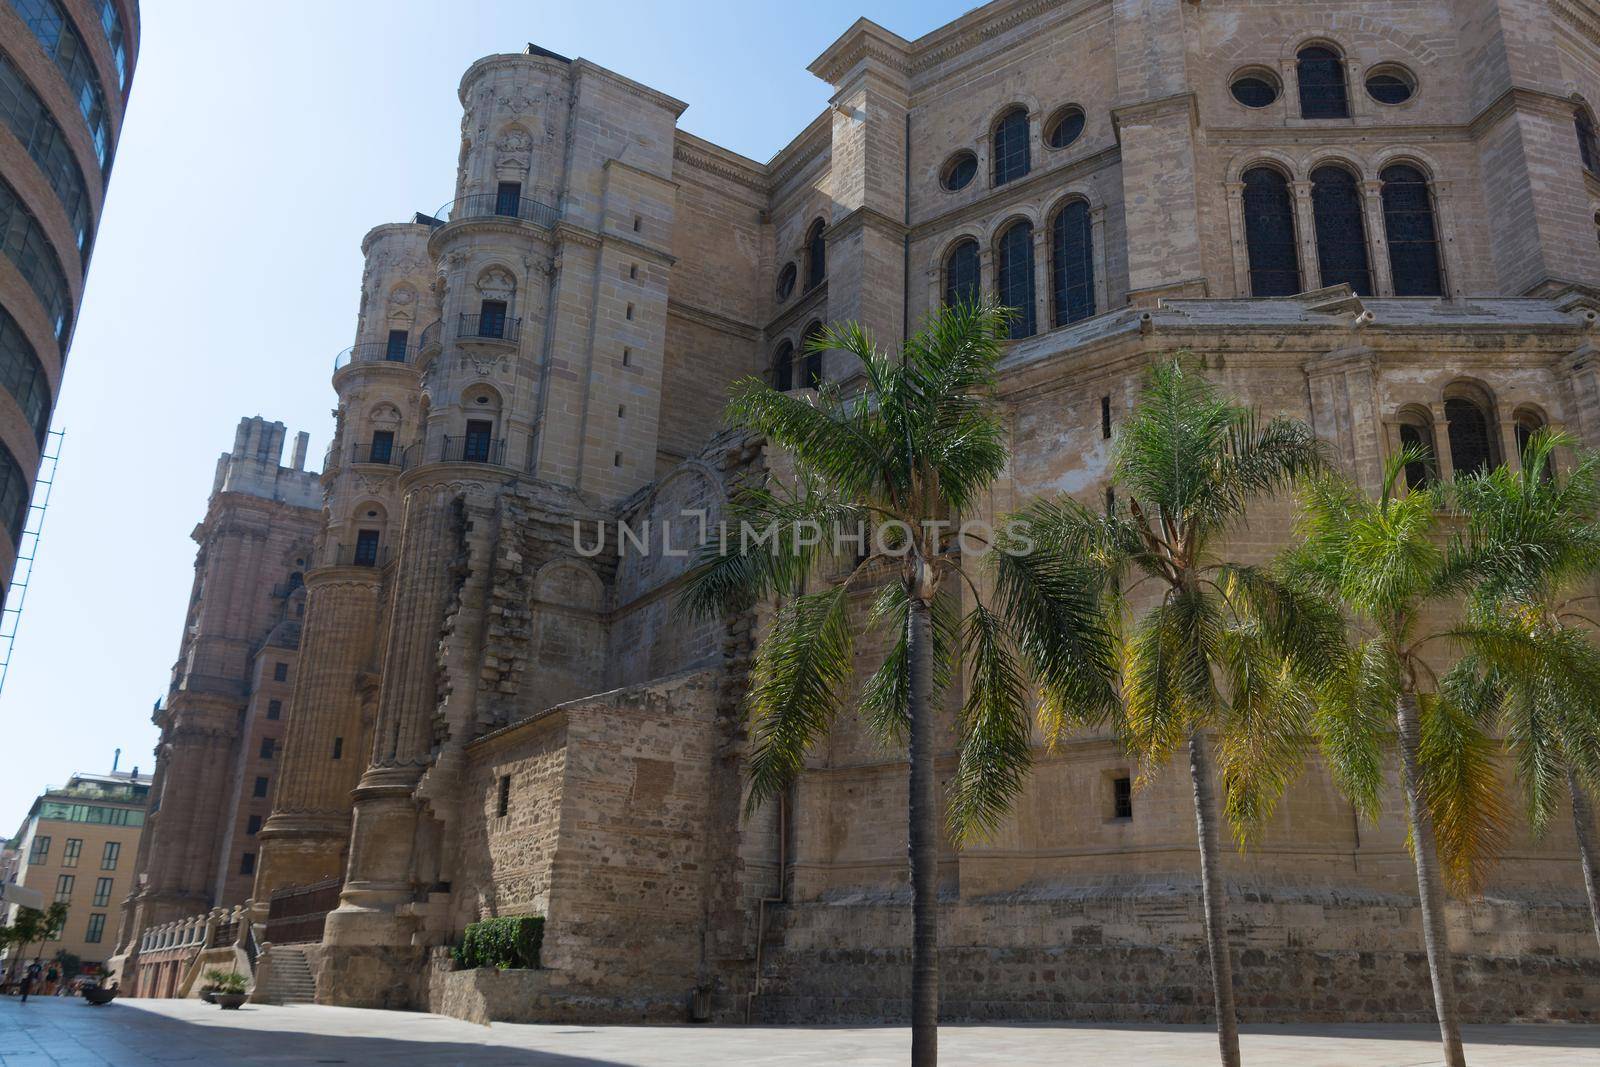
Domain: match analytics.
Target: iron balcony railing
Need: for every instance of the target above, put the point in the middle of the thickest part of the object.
(489, 328)
(473, 449)
(375, 352)
(430, 335)
(382, 452)
(491, 205)
(360, 555)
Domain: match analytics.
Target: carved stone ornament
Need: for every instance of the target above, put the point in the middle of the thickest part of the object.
(496, 284)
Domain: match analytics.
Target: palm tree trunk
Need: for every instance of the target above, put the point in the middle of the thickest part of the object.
(1430, 886)
(1215, 904)
(924, 843)
(1583, 823)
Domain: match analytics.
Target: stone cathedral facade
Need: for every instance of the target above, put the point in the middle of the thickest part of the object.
(1380, 218)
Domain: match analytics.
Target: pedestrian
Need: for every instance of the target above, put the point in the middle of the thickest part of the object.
(50, 978)
(29, 978)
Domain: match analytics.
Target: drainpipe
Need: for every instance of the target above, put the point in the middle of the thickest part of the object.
(782, 897)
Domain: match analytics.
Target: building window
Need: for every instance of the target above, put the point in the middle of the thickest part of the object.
(1269, 233)
(1014, 276)
(1391, 85)
(508, 198)
(268, 745)
(366, 548)
(1255, 88)
(783, 368)
(786, 279)
(395, 350)
(1065, 127)
(477, 440)
(64, 883)
(247, 863)
(69, 855)
(280, 672)
(1413, 237)
(14, 494)
(382, 447)
(108, 858)
(25, 113)
(1105, 418)
(810, 362)
(1415, 433)
(1471, 449)
(102, 892)
(111, 26)
(1341, 230)
(252, 825)
(59, 38)
(40, 852)
(1122, 797)
(274, 709)
(24, 376)
(29, 250)
(816, 256)
(1322, 91)
(959, 171)
(338, 748)
(961, 276)
(491, 318)
(503, 803)
(97, 927)
(261, 787)
(1072, 263)
(1011, 146)
(1588, 149)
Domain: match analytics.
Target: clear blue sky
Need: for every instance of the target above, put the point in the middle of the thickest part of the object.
(262, 141)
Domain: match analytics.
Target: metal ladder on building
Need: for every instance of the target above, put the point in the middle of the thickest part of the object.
(27, 550)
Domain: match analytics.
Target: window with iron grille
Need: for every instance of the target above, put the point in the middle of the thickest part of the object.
(69, 855)
(1413, 237)
(1341, 230)
(503, 802)
(1011, 146)
(1269, 233)
(1014, 276)
(1320, 72)
(1072, 263)
(1471, 451)
(961, 275)
(102, 892)
(1122, 798)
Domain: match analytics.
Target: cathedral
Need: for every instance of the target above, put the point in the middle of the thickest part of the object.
(417, 690)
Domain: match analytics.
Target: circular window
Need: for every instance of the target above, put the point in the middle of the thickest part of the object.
(1254, 89)
(1391, 85)
(786, 279)
(961, 169)
(1066, 127)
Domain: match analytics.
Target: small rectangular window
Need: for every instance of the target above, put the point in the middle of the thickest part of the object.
(478, 441)
(64, 885)
(102, 892)
(69, 855)
(338, 747)
(280, 672)
(1122, 797)
(108, 858)
(382, 446)
(261, 787)
(492, 318)
(504, 804)
(395, 350)
(247, 863)
(366, 548)
(627, 357)
(253, 825)
(268, 746)
(274, 709)
(508, 199)
(96, 930)
(616, 459)
(629, 312)
(40, 852)
(1105, 418)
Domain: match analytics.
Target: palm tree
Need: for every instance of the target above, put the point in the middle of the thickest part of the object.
(1228, 647)
(1383, 561)
(917, 446)
(1533, 544)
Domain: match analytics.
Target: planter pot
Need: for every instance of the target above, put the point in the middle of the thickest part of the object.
(229, 1001)
(96, 995)
(207, 994)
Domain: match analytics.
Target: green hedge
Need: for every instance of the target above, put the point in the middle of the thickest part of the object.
(512, 941)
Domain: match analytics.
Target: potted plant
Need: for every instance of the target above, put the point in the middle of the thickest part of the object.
(213, 983)
(230, 991)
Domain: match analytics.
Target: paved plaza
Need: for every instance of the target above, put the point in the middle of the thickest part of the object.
(139, 1033)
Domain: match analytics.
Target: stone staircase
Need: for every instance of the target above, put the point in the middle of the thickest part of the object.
(288, 979)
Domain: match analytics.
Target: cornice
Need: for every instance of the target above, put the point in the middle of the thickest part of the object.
(984, 24)
(1018, 191)
(1519, 98)
(861, 218)
(1580, 16)
(476, 224)
(813, 143)
(1161, 105)
(567, 233)
(864, 40)
(510, 60)
(581, 67)
(720, 323)
(808, 302)
(702, 155)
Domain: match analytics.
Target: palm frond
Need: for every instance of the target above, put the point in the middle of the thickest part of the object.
(886, 696)
(996, 739)
(1354, 721)
(1461, 791)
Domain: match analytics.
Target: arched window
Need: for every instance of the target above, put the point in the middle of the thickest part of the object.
(1072, 264)
(1527, 424)
(1320, 71)
(1269, 233)
(1471, 448)
(1341, 233)
(1416, 431)
(783, 368)
(810, 363)
(1588, 150)
(816, 256)
(1014, 270)
(1011, 146)
(961, 274)
(1413, 237)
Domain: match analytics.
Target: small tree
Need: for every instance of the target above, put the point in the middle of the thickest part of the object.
(917, 446)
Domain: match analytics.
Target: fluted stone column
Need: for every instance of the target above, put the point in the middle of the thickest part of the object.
(304, 839)
(381, 875)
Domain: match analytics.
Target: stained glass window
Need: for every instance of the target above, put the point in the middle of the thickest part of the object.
(1341, 233)
(1471, 451)
(1014, 272)
(1322, 91)
(961, 274)
(1072, 263)
(1413, 238)
(1269, 233)
(1011, 146)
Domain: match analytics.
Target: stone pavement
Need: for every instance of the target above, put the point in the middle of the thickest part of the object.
(140, 1033)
